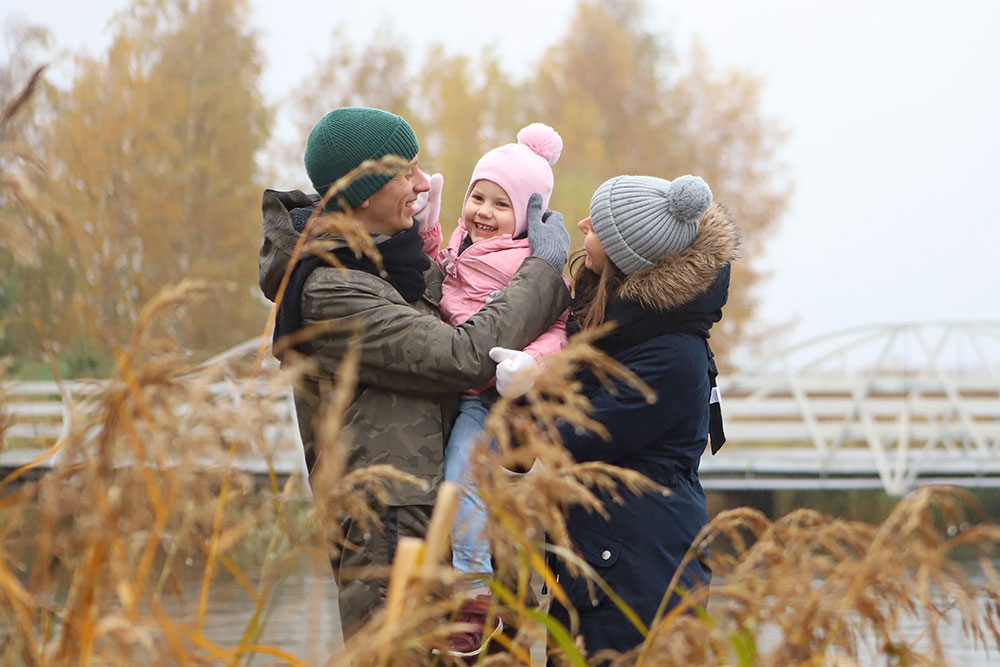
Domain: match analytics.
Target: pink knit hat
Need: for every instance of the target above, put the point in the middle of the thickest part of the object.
(521, 169)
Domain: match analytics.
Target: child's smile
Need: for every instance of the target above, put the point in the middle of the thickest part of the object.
(484, 228)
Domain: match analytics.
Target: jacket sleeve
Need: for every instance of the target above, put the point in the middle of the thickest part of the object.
(432, 242)
(405, 350)
(631, 420)
(553, 340)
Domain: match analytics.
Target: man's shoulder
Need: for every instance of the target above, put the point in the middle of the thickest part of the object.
(327, 276)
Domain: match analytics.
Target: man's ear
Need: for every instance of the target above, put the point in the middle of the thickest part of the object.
(364, 204)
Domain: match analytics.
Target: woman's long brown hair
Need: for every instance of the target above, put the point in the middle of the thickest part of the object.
(592, 291)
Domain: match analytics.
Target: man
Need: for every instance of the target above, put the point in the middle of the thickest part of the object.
(412, 365)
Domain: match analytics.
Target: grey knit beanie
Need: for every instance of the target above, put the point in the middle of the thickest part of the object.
(346, 137)
(639, 219)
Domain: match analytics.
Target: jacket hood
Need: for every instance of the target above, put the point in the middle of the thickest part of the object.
(678, 278)
(284, 214)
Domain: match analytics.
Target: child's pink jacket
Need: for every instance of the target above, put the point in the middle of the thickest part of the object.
(472, 279)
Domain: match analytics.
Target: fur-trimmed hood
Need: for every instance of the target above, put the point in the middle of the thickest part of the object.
(678, 278)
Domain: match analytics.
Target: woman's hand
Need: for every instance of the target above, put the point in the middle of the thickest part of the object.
(547, 234)
(516, 371)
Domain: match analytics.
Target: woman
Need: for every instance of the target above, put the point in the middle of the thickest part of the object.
(656, 263)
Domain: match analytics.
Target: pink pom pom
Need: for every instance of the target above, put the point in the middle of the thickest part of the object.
(543, 140)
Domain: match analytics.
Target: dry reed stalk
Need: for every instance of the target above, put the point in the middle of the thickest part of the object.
(437, 542)
(524, 508)
(817, 587)
(409, 554)
(114, 535)
(92, 545)
(527, 430)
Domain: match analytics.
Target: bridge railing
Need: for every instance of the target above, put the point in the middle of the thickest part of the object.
(34, 416)
(783, 432)
(901, 428)
(826, 409)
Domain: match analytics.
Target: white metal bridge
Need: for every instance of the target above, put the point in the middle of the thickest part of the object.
(891, 406)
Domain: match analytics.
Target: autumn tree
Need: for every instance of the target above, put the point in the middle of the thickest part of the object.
(27, 222)
(152, 151)
(374, 75)
(625, 103)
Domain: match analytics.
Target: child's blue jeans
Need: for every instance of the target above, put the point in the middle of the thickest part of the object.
(470, 546)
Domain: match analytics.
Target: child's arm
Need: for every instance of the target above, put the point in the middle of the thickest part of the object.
(552, 340)
(432, 242)
(517, 369)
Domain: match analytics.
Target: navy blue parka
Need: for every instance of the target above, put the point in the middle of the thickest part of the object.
(663, 316)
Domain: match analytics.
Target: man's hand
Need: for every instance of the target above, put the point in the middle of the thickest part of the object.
(516, 371)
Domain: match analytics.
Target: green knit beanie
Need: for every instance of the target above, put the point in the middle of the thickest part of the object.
(346, 137)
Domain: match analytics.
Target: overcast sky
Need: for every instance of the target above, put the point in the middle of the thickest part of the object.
(893, 110)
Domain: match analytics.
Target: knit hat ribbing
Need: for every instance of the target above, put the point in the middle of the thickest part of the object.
(639, 219)
(522, 169)
(346, 137)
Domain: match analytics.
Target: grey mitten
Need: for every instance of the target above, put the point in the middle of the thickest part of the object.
(547, 234)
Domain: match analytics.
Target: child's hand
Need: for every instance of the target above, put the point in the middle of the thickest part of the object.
(427, 209)
(516, 371)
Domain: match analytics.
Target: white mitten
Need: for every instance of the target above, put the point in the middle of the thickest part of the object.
(427, 208)
(516, 371)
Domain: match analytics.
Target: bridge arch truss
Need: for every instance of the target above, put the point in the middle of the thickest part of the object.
(893, 405)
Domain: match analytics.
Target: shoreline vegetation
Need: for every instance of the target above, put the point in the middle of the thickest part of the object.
(93, 553)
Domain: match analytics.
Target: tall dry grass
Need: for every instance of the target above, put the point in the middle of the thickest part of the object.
(95, 552)
(143, 496)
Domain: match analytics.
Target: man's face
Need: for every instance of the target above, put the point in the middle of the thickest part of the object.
(390, 210)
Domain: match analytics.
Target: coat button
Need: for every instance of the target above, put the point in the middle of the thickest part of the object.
(605, 554)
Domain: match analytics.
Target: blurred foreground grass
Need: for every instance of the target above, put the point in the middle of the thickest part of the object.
(114, 555)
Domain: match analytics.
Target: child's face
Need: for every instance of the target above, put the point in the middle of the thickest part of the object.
(488, 211)
(596, 259)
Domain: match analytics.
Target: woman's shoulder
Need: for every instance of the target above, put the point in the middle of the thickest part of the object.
(670, 355)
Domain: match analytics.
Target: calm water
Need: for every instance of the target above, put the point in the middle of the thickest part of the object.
(304, 621)
(301, 616)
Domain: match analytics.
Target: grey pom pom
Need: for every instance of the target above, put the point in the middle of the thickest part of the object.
(688, 198)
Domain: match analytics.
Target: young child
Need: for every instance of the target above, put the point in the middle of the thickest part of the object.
(482, 256)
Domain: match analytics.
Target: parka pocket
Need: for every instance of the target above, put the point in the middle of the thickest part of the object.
(601, 552)
(597, 548)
